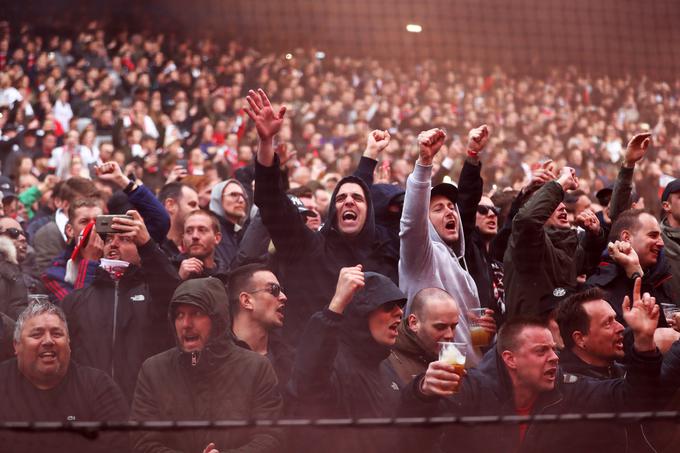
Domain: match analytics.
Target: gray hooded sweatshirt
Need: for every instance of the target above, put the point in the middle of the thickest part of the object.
(425, 261)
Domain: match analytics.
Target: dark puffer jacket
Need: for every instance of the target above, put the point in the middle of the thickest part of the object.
(340, 371)
(311, 261)
(221, 382)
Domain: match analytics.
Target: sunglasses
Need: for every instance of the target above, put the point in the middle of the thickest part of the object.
(13, 233)
(273, 288)
(483, 209)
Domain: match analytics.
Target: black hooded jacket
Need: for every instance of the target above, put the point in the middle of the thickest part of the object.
(221, 382)
(311, 261)
(340, 371)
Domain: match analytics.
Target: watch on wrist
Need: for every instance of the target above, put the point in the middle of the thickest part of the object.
(132, 185)
(635, 275)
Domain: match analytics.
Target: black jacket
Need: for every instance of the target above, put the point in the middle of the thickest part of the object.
(340, 371)
(221, 382)
(85, 394)
(115, 326)
(539, 258)
(13, 293)
(478, 260)
(311, 261)
(487, 390)
(613, 280)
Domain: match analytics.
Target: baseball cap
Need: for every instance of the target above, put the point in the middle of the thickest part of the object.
(300, 206)
(448, 190)
(6, 187)
(604, 196)
(671, 187)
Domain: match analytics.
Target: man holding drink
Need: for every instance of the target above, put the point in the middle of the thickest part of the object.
(521, 377)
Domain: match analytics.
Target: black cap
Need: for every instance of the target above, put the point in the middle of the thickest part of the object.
(448, 190)
(300, 206)
(6, 187)
(671, 187)
(604, 196)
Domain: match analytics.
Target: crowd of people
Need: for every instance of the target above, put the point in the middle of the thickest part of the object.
(350, 240)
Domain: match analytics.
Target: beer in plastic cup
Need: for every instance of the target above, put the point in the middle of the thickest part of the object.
(453, 354)
(478, 335)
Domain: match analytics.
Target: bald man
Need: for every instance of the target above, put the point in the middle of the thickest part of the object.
(434, 317)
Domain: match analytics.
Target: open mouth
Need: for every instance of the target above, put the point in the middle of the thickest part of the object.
(113, 255)
(450, 225)
(349, 216)
(551, 373)
(281, 310)
(619, 344)
(191, 339)
(563, 217)
(394, 327)
(48, 355)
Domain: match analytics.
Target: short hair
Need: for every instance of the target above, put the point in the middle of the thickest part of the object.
(172, 190)
(571, 316)
(77, 187)
(214, 220)
(82, 203)
(627, 220)
(301, 192)
(37, 308)
(509, 335)
(239, 279)
(425, 294)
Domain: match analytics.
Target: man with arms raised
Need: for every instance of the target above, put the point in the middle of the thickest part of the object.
(432, 243)
(310, 261)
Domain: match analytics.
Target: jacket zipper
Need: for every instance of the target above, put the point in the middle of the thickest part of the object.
(194, 358)
(554, 403)
(115, 325)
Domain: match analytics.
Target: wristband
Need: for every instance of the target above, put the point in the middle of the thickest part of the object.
(132, 185)
(635, 275)
(472, 153)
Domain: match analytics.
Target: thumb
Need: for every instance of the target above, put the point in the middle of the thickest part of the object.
(134, 214)
(626, 304)
(282, 111)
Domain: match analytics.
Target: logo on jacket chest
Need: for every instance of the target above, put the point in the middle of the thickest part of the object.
(138, 298)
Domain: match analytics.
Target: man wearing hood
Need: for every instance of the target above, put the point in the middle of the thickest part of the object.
(206, 377)
(432, 243)
(118, 321)
(340, 368)
(544, 251)
(228, 200)
(309, 260)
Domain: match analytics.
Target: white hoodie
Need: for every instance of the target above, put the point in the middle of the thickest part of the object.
(425, 261)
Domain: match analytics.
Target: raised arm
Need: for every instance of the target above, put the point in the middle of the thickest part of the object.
(416, 248)
(470, 184)
(528, 235)
(285, 225)
(635, 151)
(377, 141)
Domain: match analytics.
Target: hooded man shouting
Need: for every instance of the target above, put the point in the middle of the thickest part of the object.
(310, 261)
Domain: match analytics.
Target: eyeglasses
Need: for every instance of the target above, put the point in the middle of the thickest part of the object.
(273, 288)
(13, 233)
(483, 209)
